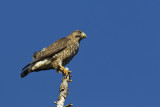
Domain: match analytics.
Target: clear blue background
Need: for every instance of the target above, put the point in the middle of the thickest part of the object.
(118, 65)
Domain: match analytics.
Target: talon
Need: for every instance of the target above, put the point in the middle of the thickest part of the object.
(67, 72)
(70, 80)
(64, 70)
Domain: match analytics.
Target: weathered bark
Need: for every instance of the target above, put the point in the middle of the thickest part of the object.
(63, 91)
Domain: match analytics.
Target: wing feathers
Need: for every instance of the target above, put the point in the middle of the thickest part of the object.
(50, 51)
(56, 47)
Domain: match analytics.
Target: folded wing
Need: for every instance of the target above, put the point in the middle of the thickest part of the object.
(50, 51)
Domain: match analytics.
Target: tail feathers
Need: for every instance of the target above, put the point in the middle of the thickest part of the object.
(26, 72)
(27, 66)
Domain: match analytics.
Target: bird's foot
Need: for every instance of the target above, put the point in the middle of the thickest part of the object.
(65, 70)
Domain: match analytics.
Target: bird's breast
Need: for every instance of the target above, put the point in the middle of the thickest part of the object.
(69, 53)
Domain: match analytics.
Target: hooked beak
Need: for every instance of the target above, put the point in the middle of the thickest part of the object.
(84, 35)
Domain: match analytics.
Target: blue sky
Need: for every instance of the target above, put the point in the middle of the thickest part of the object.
(118, 65)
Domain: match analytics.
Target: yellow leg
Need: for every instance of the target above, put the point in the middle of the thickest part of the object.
(64, 70)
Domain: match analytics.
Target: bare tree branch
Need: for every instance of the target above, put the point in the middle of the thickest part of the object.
(69, 105)
(63, 89)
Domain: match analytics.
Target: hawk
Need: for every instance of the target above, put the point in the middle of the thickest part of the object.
(57, 55)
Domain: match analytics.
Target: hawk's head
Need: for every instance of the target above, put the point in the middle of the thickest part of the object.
(78, 35)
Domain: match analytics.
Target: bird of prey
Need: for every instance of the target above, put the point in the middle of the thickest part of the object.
(57, 55)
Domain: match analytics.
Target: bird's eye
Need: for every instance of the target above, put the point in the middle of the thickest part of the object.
(79, 32)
